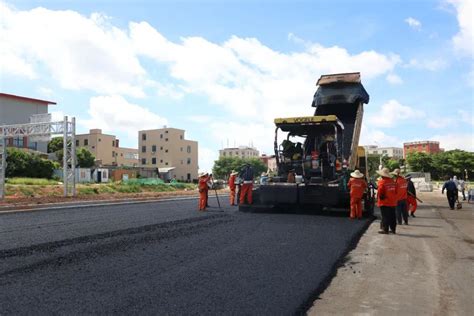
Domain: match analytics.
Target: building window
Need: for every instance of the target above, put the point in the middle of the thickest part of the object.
(189, 161)
(161, 161)
(166, 163)
(166, 132)
(143, 149)
(143, 136)
(182, 162)
(166, 150)
(181, 148)
(143, 161)
(153, 148)
(188, 149)
(181, 137)
(166, 139)
(161, 135)
(223, 154)
(100, 139)
(161, 148)
(189, 177)
(113, 154)
(86, 142)
(77, 142)
(93, 147)
(153, 161)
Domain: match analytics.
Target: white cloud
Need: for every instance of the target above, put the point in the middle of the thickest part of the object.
(47, 92)
(463, 41)
(394, 79)
(207, 157)
(57, 116)
(467, 117)
(413, 23)
(440, 122)
(393, 112)
(114, 113)
(455, 141)
(79, 52)
(427, 64)
(372, 136)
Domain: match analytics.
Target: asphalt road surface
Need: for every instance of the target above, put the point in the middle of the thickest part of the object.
(167, 258)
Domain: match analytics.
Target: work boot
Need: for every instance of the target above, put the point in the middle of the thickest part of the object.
(412, 214)
(383, 232)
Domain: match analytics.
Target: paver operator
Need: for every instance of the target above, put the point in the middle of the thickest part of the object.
(387, 199)
(357, 186)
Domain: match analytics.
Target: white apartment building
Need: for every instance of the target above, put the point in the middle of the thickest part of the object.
(392, 152)
(241, 151)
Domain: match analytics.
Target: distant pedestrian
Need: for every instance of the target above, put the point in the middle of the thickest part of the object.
(203, 188)
(232, 186)
(357, 186)
(451, 192)
(462, 188)
(387, 201)
(411, 197)
(402, 206)
(247, 175)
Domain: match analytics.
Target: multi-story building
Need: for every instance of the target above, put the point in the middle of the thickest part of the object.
(241, 151)
(107, 150)
(16, 109)
(168, 150)
(392, 152)
(429, 147)
(270, 162)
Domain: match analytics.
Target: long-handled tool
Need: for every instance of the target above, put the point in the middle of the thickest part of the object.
(215, 191)
(419, 200)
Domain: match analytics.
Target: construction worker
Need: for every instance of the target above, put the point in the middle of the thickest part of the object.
(387, 201)
(232, 186)
(203, 188)
(357, 186)
(451, 192)
(411, 196)
(247, 176)
(209, 181)
(402, 206)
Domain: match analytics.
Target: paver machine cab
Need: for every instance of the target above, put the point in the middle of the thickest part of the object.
(321, 151)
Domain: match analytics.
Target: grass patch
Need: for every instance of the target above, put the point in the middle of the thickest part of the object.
(132, 188)
(26, 191)
(88, 191)
(31, 181)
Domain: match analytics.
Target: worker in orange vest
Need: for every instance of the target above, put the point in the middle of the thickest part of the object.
(402, 206)
(203, 188)
(387, 199)
(247, 175)
(357, 186)
(232, 186)
(411, 197)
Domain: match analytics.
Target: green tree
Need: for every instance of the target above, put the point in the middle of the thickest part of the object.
(392, 164)
(224, 166)
(452, 162)
(55, 144)
(24, 164)
(85, 159)
(420, 162)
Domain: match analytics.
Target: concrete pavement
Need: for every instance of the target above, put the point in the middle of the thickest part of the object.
(426, 269)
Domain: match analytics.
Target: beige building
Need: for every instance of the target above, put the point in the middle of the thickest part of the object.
(241, 151)
(168, 150)
(106, 149)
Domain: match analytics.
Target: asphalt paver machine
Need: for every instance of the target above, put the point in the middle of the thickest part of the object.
(319, 150)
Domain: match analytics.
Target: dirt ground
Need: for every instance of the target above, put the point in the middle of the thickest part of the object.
(425, 269)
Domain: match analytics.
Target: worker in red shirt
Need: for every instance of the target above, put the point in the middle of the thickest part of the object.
(203, 187)
(357, 186)
(411, 197)
(402, 207)
(387, 199)
(232, 186)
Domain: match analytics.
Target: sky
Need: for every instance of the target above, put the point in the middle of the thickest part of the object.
(223, 70)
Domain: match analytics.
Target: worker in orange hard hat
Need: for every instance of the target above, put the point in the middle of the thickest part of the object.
(203, 187)
(402, 206)
(387, 199)
(357, 186)
(232, 186)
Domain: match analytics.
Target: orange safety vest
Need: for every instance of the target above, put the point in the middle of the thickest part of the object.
(387, 188)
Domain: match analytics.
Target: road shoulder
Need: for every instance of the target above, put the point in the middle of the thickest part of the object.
(425, 269)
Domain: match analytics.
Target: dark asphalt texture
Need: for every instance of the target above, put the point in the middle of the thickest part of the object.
(166, 258)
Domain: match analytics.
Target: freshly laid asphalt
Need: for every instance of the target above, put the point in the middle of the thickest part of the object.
(166, 258)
